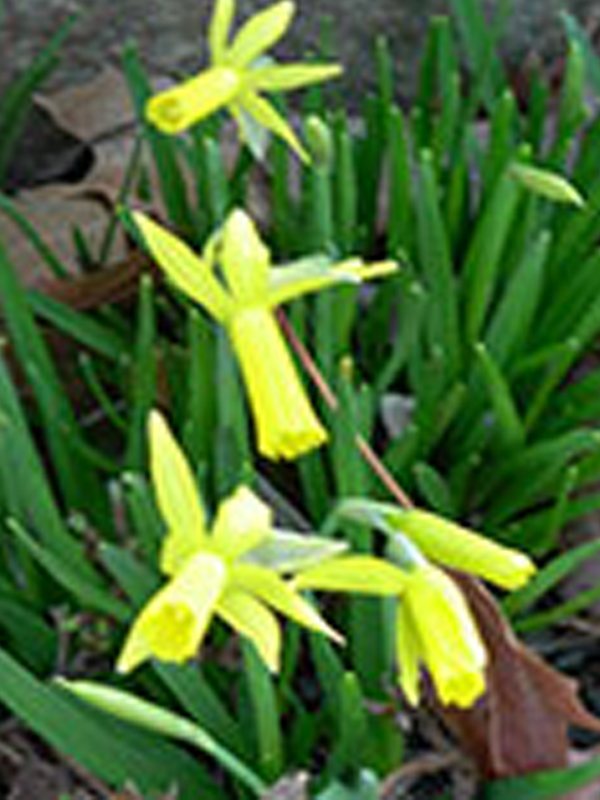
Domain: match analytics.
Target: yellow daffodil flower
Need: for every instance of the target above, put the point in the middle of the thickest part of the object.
(434, 629)
(217, 572)
(237, 74)
(445, 541)
(242, 295)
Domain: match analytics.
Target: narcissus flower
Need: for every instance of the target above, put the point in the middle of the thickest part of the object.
(434, 628)
(445, 542)
(218, 572)
(242, 297)
(237, 74)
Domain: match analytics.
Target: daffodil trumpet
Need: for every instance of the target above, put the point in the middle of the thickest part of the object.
(234, 571)
(238, 74)
(235, 283)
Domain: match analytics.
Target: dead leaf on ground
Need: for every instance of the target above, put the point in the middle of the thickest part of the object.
(290, 787)
(522, 723)
(94, 110)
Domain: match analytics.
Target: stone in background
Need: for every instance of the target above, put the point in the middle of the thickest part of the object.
(170, 32)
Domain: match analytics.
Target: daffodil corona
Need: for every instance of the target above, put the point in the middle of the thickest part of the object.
(217, 572)
(238, 72)
(435, 628)
(244, 302)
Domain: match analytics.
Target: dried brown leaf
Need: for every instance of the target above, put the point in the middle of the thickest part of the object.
(290, 787)
(521, 725)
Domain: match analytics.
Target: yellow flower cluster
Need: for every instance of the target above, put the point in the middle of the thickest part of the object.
(241, 569)
(209, 572)
(234, 571)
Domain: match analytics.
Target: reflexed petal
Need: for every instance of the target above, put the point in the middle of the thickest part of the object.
(177, 109)
(284, 551)
(253, 135)
(177, 496)
(286, 425)
(303, 276)
(190, 274)
(363, 574)
(220, 26)
(276, 78)
(259, 33)
(309, 275)
(457, 547)
(252, 619)
(275, 592)
(172, 624)
(407, 653)
(242, 522)
(244, 259)
(264, 113)
(366, 272)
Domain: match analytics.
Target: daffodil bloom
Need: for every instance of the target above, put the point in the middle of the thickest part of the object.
(237, 74)
(445, 542)
(434, 628)
(242, 295)
(217, 572)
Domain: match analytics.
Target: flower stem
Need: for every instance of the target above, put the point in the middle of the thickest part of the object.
(331, 400)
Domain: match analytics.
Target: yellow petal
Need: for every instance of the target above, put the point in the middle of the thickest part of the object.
(448, 640)
(362, 574)
(264, 113)
(177, 109)
(244, 259)
(291, 76)
(242, 522)
(457, 547)
(190, 274)
(220, 26)
(366, 272)
(259, 33)
(172, 624)
(176, 495)
(252, 619)
(313, 274)
(407, 652)
(275, 592)
(286, 425)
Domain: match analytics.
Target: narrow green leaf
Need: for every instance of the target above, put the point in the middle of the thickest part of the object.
(163, 148)
(548, 577)
(510, 428)
(116, 752)
(436, 259)
(544, 785)
(91, 595)
(83, 328)
(264, 714)
(143, 376)
(147, 715)
(16, 101)
(483, 260)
